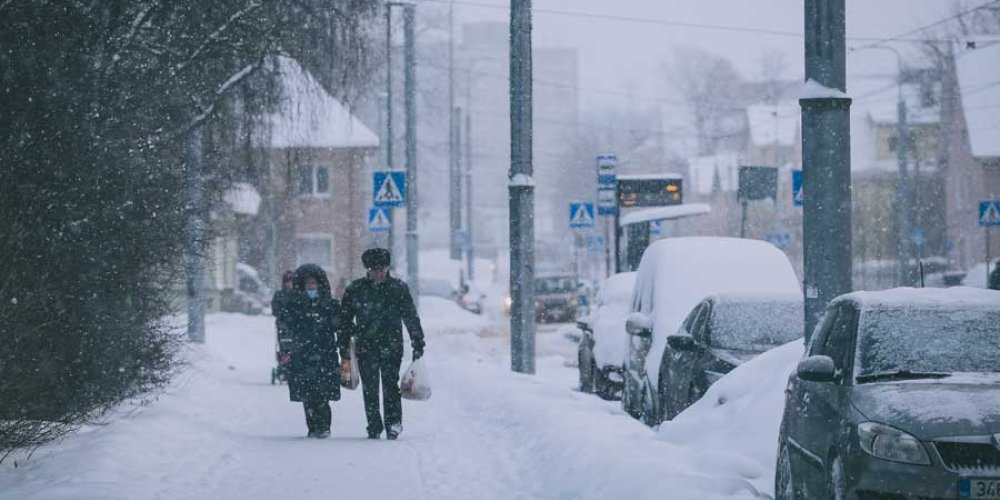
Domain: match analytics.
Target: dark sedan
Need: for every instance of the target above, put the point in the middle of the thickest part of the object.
(897, 398)
(719, 334)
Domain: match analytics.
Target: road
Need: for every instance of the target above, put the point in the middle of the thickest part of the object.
(221, 431)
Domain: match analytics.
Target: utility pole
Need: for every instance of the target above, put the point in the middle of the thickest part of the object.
(826, 160)
(389, 158)
(903, 186)
(454, 166)
(457, 181)
(195, 240)
(470, 252)
(521, 191)
(409, 95)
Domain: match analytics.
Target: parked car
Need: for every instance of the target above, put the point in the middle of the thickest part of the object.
(674, 275)
(471, 299)
(555, 298)
(719, 334)
(898, 397)
(603, 341)
(438, 288)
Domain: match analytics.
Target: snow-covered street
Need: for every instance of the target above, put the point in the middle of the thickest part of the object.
(222, 431)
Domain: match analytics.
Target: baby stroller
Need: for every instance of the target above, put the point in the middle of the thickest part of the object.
(279, 373)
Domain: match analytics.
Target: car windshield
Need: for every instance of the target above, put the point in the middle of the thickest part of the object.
(554, 285)
(755, 325)
(928, 340)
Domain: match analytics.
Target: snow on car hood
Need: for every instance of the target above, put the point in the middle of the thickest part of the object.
(963, 405)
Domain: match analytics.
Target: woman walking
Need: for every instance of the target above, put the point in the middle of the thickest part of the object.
(313, 329)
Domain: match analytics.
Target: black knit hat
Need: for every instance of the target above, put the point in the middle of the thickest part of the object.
(375, 258)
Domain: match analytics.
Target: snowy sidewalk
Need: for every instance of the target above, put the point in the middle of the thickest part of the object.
(223, 432)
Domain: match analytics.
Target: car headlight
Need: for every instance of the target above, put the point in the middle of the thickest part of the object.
(889, 443)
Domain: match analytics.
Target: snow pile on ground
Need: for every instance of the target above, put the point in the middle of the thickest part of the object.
(735, 425)
(443, 316)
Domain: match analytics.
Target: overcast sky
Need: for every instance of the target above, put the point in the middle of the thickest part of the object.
(621, 55)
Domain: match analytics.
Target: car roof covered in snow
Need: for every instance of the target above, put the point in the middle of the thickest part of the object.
(926, 298)
(675, 274)
(618, 288)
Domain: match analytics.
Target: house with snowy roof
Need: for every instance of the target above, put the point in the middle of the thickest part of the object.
(971, 109)
(315, 180)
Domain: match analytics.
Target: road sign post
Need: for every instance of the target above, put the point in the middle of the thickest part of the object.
(607, 203)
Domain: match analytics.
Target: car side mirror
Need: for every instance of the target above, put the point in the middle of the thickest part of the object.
(638, 324)
(817, 369)
(681, 342)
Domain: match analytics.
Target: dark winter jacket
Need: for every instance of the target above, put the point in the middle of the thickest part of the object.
(374, 314)
(313, 327)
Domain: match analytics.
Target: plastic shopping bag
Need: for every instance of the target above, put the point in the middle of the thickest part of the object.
(415, 384)
(350, 374)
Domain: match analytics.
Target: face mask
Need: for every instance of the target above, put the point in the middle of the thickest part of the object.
(312, 293)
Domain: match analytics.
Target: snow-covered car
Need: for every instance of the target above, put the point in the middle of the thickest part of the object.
(719, 334)
(674, 275)
(898, 397)
(555, 298)
(603, 341)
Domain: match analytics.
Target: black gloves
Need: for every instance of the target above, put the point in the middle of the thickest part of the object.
(418, 353)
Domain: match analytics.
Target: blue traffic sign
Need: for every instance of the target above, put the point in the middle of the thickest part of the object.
(918, 236)
(606, 165)
(607, 202)
(581, 215)
(595, 244)
(389, 189)
(989, 213)
(379, 220)
(797, 188)
(655, 230)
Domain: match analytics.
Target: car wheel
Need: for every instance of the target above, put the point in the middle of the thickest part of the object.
(603, 386)
(586, 367)
(836, 482)
(784, 484)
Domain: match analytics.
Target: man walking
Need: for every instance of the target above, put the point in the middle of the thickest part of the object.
(374, 309)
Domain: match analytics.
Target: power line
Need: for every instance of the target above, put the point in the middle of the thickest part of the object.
(899, 37)
(660, 22)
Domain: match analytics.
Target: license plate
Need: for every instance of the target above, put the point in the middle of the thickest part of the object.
(978, 488)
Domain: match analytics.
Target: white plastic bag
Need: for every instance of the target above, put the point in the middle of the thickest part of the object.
(350, 374)
(415, 383)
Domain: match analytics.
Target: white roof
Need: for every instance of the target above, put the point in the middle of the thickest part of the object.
(702, 171)
(242, 198)
(774, 123)
(664, 213)
(309, 117)
(979, 81)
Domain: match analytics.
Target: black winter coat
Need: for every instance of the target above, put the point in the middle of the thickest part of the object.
(374, 314)
(313, 327)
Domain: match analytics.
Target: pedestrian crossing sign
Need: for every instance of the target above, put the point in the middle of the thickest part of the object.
(581, 215)
(389, 189)
(378, 220)
(989, 213)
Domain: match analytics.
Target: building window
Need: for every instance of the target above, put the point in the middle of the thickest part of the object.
(314, 180)
(314, 249)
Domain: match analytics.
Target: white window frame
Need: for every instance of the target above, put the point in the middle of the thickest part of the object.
(314, 181)
(328, 266)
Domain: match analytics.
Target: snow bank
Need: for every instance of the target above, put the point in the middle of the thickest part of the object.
(735, 425)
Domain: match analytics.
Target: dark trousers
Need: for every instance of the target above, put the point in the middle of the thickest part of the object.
(318, 415)
(381, 363)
